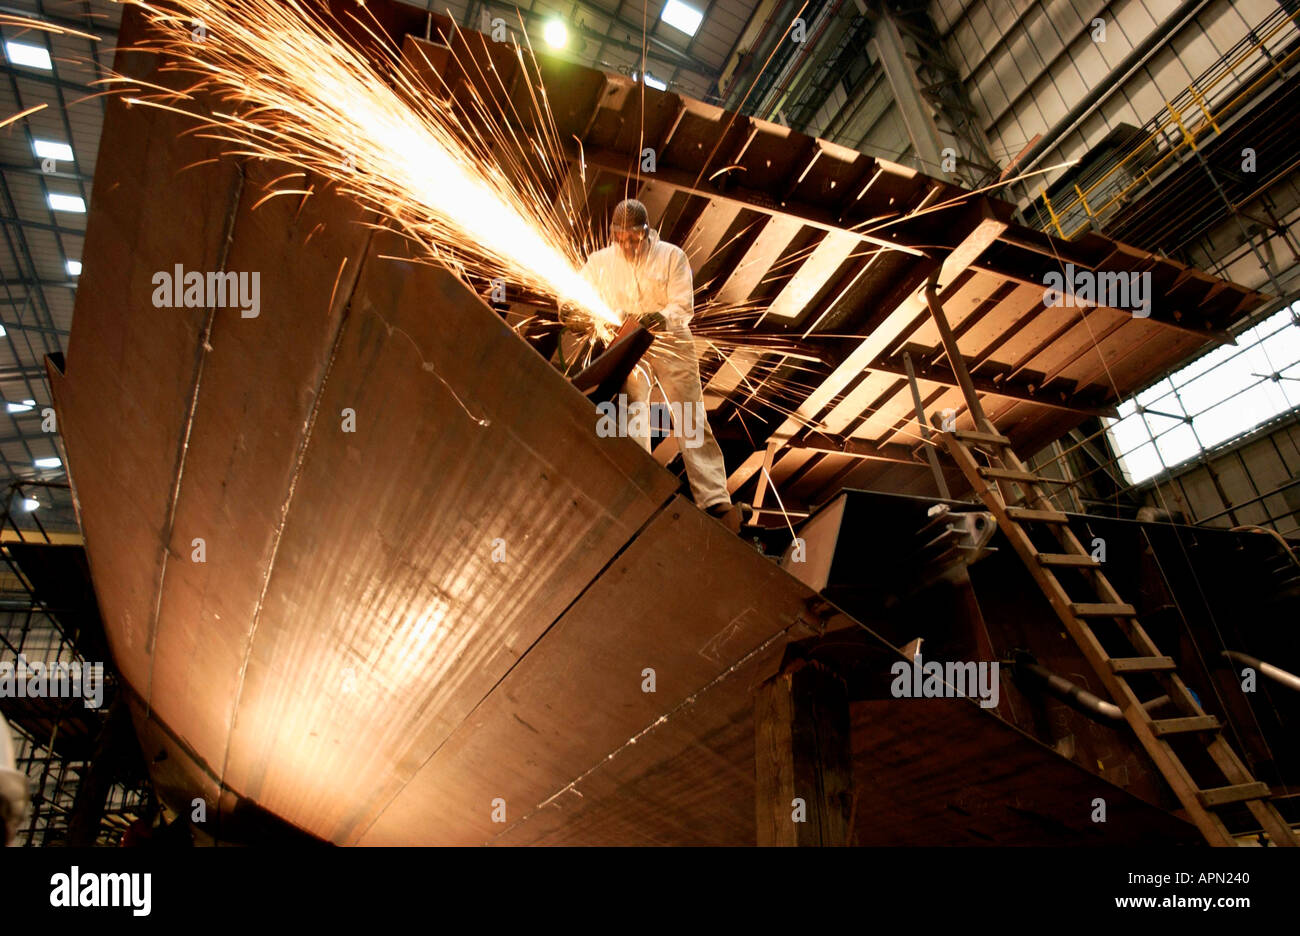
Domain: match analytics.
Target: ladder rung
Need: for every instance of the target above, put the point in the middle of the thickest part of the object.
(1142, 664)
(1168, 726)
(1030, 515)
(1222, 796)
(1067, 559)
(1008, 474)
(1088, 609)
(966, 435)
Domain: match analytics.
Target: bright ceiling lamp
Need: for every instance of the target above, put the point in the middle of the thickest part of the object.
(556, 34)
(682, 16)
(47, 463)
(48, 149)
(653, 82)
(73, 267)
(20, 53)
(74, 203)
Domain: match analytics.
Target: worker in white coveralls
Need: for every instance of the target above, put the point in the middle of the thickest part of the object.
(640, 276)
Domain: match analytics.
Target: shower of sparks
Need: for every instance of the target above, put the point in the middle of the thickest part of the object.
(459, 176)
(286, 86)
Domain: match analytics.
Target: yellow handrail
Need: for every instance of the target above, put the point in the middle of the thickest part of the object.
(1209, 120)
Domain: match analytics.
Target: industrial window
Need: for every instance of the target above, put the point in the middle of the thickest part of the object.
(682, 16)
(1217, 397)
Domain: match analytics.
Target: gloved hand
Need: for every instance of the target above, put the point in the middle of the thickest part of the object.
(569, 315)
(653, 321)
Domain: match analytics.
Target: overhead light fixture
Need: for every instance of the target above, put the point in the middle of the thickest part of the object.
(30, 504)
(47, 463)
(652, 82)
(48, 149)
(74, 203)
(556, 34)
(23, 407)
(20, 53)
(74, 267)
(682, 16)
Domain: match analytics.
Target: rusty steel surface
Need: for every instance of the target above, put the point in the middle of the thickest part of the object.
(425, 583)
(690, 602)
(944, 771)
(348, 612)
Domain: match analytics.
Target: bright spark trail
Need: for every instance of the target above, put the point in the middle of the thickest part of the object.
(293, 90)
(276, 79)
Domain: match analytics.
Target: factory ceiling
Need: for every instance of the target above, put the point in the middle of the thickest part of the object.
(47, 167)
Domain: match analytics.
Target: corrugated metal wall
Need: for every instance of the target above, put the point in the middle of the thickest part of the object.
(1241, 478)
(1028, 64)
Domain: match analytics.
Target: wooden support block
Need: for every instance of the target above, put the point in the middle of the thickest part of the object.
(1007, 474)
(802, 758)
(1029, 515)
(1067, 559)
(1223, 796)
(1169, 726)
(1103, 610)
(986, 438)
(1158, 664)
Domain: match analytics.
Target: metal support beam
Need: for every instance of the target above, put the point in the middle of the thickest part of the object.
(44, 330)
(37, 170)
(27, 74)
(64, 284)
(921, 130)
(42, 226)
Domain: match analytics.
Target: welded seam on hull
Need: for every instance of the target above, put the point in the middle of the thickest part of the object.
(655, 514)
(299, 459)
(681, 706)
(201, 357)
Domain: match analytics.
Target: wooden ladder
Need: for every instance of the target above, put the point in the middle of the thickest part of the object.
(1034, 507)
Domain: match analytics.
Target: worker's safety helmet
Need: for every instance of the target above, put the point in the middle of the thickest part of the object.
(631, 222)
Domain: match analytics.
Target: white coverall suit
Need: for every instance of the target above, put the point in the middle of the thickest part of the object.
(659, 280)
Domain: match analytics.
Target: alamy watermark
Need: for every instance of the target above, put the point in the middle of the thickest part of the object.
(128, 889)
(917, 680)
(1082, 288)
(639, 419)
(38, 680)
(195, 290)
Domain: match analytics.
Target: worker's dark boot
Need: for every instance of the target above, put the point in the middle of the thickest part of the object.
(733, 516)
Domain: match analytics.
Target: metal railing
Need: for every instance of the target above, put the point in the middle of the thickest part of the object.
(1193, 116)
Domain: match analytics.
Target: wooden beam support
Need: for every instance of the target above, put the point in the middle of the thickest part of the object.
(931, 455)
(858, 448)
(1206, 334)
(802, 758)
(1012, 391)
(984, 234)
(880, 330)
(954, 357)
(750, 198)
